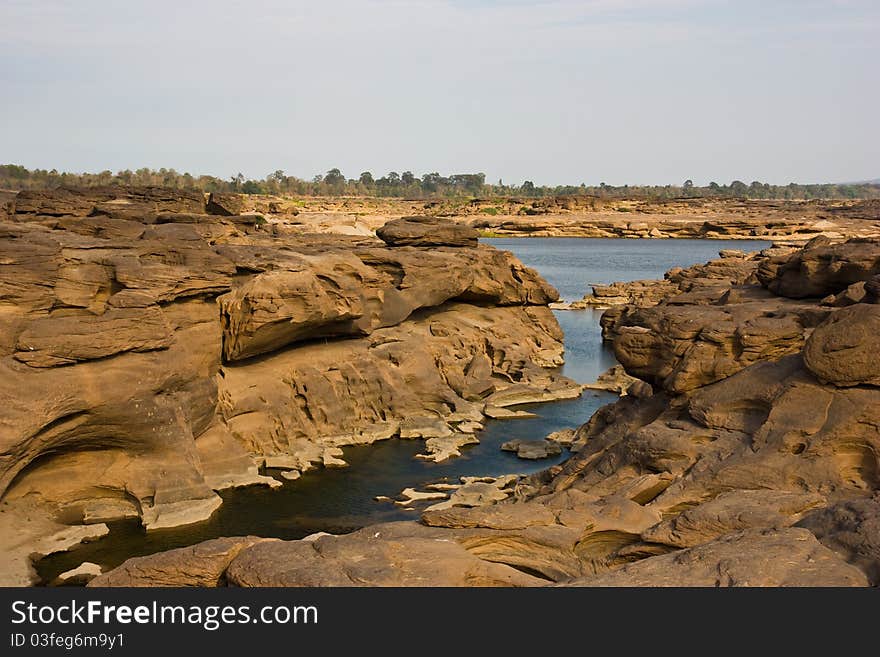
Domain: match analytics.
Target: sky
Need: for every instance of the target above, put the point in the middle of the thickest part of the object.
(557, 91)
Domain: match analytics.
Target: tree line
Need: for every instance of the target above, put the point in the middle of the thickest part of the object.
(427, 186)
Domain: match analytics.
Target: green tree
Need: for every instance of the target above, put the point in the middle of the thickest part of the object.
(334, 178)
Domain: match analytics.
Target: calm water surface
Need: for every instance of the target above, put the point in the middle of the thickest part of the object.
(340, 500)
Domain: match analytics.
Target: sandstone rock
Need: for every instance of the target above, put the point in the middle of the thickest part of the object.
(330, 458)
(564, 437)
(339, 294)
(411, 495)
(526, 394)
(203, 564)
(32, 204)
(78, 576)
(383, 555)
(29, 530)
(872, 290)
(442, 486)
(112, 350)
(844, 349)
(442, 448)
(182, 512)
(63, 340)
(405, 374)
(469, 427)
(424, 427)
(500, 413)
(532, 449)
(225, 204)
(426, 231)
(786, 557)
(852, 530)
(640, 389)
(732, 511)
(685, 347)
(492, 516)
(638, 292)
(107, 510)
(855, 293)
(822, 268)
(475, 493)
(614, 379)
(275, 309)
(740, 440)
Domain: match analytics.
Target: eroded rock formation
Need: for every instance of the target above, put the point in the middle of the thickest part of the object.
(755, 461)
(155, 348)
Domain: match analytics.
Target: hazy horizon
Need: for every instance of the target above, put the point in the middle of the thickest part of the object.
(564, 92)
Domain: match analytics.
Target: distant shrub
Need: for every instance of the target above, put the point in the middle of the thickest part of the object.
(492, 211)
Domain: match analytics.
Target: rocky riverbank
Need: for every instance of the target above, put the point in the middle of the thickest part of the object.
(567, 216)
(595, 217)
(748, 454)
(588, 216)
(159, 345)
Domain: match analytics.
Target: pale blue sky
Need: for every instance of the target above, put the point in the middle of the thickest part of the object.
(616, 91)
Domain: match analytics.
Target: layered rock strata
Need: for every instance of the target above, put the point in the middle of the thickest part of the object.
(750, 457)
(156, 347)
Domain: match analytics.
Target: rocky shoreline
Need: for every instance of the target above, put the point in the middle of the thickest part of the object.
(566, 216)
(589, 216)
(160, 345)
(748, 454)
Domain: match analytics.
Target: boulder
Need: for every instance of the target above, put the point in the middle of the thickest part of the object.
(78, 576)
(855, 293)
(426, 231)
(821, 268)
(532, 449)
(614, 379)
(202, 564)
(681, 347)
(225, 205)
(844, 349)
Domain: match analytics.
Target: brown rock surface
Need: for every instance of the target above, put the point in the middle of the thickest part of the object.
(225, 204)
(821, 268)
(851, 529)
(426, 231)
(532, 449)
(845, 348)
(202, 564)
(151, 353)
(629, 292)
(787, 557)
(385, 555)
(750, 471)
